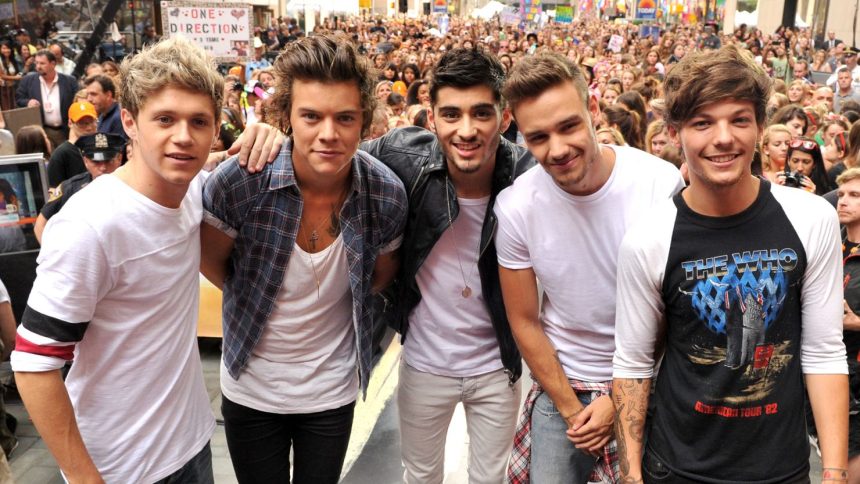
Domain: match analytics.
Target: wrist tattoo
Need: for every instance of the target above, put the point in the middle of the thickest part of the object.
(834, 474)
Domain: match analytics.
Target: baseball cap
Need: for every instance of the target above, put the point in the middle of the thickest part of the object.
(100, 147)
(82, 109)
(257, 43)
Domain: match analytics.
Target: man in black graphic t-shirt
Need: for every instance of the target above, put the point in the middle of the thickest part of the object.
(740, 281)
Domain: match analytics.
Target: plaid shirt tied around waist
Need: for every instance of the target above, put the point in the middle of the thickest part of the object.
(605, 470)
(262, 212)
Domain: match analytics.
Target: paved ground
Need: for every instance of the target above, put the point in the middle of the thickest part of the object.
(372, 458)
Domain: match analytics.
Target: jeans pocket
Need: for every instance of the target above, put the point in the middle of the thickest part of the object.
(545, 406)
(655, 469)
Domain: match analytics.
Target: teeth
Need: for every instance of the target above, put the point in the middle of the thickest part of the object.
(722, 159)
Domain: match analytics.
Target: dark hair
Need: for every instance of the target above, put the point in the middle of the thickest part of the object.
(412, 92)
(390, 66)
(819, 173)
(421, 119)
(46, 54)
(8, 191)
(704, 78)
(786, 113)
(323, 58)
(394, 99)
(465, 68)
(627, 122)
(412, 67)
(104, 81)
(849, 105)
(633, 101)
(851, 115)
(32, 139)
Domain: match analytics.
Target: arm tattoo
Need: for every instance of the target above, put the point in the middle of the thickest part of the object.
(631, 407)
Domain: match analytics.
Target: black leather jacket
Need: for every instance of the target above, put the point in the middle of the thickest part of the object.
(416, 157)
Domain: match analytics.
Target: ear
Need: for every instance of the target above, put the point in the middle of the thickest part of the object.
(507, 117)
(431, 120)
(674, 135)
(594, 110)
(129, 124)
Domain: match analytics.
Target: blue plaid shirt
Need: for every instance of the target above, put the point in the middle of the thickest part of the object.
(262, 211)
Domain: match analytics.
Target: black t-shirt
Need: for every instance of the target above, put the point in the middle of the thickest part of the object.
(66, 162)
(738, 302)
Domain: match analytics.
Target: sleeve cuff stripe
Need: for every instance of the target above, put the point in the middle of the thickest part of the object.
(63, 352)
(53, 328)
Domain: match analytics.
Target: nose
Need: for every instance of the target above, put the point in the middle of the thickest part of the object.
(558, 149)
(328, 131)
(722, 133)
(182, 133)
(467, 129)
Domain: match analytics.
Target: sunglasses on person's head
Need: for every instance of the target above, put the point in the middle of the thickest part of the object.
(806, 144)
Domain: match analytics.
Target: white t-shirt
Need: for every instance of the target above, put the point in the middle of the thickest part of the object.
(127, 267)
(306, 359)
(571, 243)
(452, 335)
(4, 294)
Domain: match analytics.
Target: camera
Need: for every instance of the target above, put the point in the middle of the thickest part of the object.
(794, 179)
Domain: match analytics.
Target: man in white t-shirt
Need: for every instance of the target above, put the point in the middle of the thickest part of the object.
(117, 289)
(562, 223)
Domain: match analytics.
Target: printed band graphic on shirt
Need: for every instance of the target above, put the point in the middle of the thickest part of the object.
(740, 295)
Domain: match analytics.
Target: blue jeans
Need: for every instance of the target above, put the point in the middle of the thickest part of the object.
(196, 471)
(554, 458)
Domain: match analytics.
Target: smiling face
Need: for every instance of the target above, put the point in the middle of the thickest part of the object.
(795, 93)
(558, 130)
(171, 137)
(468, 124)
(326, 120)
(719, 142)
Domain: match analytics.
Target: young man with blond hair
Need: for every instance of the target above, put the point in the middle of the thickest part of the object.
(117, 289)
(738, 279)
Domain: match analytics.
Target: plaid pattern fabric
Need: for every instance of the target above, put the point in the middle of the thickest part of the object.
(606, 469)
(262, 212)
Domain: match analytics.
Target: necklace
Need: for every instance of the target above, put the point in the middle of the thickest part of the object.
(467, 291)
(334, 229)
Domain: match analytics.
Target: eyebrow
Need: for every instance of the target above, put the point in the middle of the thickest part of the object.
(470, 108)
(174, 113)
(575, 118)
(317, 111)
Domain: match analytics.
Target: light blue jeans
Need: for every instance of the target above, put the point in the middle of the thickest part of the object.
(554, 458)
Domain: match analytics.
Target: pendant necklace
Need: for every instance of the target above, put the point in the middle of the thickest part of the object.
(467, 291)
(315, 236)
(312, 245)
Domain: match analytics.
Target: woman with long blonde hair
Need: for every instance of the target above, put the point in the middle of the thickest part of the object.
(774, 149)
